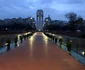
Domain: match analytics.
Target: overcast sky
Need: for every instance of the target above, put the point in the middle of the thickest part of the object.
(56, 8)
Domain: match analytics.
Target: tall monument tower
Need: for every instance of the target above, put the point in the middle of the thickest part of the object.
(39, 20)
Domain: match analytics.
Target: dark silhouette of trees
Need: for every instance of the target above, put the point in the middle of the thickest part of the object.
(71, 16)
(24, 24)
(17, 26)
(79, 22)
(75, 22)
(52, 27)
(65, 28)
(72, 19)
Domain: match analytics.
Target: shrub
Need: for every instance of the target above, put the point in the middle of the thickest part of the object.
(55, 40)
(16, 40)
(21, 38)
(68, 45)
(60, 41)
(8, 45)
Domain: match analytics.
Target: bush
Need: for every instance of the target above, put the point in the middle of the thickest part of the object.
(60, 41)
(68, 45)
(16, 40)
(8, 45)
(21, 38)
(55, 40)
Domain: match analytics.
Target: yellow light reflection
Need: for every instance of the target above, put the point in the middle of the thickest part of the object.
(18, 36)
(60, 37)
(31, 40)
(35, 34)
(27, 33)
(45, 38)
(6, 43)
(31, 43)
(18, 44)
(53, 34)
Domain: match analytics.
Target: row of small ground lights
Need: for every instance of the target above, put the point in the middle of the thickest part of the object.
(22, 38)
(60, 40)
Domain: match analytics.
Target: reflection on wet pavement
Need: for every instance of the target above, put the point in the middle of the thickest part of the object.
(38, 53)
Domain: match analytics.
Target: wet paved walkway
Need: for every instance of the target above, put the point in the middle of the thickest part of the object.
(38, 53)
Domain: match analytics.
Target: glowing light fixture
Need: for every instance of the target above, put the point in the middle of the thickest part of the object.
(83, 53)
(70, 41)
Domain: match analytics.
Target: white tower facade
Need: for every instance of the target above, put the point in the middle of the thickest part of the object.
(39, 20)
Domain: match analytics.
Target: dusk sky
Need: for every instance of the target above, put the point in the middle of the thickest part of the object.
(56, 8)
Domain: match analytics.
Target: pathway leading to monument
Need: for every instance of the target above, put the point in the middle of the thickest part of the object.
(38, 53)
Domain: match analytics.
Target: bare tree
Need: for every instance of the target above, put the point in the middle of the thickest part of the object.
(79, 22)
(71, 16)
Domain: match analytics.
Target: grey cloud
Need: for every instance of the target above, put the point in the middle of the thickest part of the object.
(63, 1)
(25, 8)
(76, 1)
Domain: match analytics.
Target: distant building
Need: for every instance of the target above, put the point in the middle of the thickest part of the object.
(47, 20)
(39, 19)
